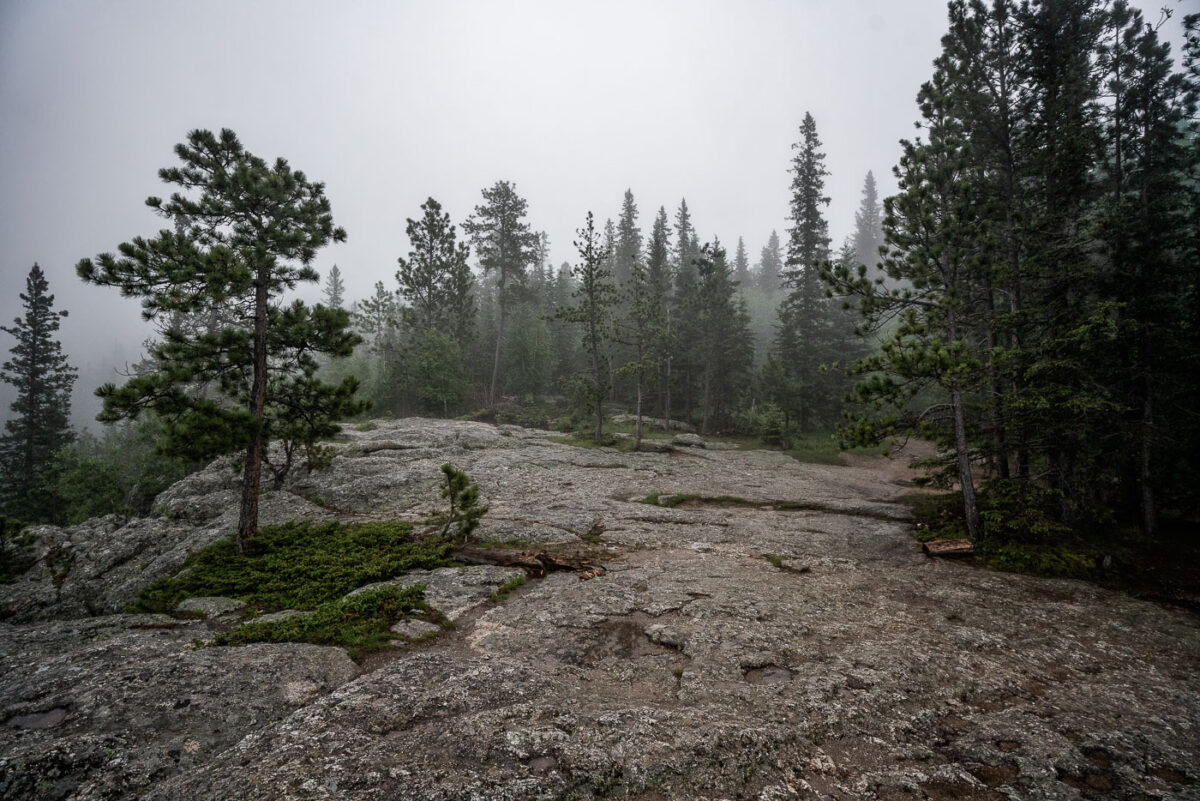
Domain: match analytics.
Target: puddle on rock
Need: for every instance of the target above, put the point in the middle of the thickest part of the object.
(767, 674)
(38, 720)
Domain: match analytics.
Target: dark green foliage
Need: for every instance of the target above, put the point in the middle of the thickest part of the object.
(119, 472)
(360, 623)
(39, 372)
(463, 496)
(1054, 559)
(812, 333)
(246, 232)
(296, 565)
(439, 373)
(16, 553)
(721, 348)
(527, 353)
(1042, 310)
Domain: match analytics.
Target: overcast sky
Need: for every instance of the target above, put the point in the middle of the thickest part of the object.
(389, 103)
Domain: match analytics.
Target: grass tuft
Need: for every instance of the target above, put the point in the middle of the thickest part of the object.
(504, 589)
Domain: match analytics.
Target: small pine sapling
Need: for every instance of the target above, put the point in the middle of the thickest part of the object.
(465, 511)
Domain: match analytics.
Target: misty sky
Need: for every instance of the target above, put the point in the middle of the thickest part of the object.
(389, 103)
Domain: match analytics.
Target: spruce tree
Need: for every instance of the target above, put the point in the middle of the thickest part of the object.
(43, 380)
(376, 316)
(807, 338)
(252, 231)
(682, 364)
(770, 266)
(334, 290)
(868, 224)
(658, 291)
(627, 248)
(741, 265)
(723, 347)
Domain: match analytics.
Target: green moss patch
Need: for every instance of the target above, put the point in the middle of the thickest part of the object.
(683, 499)
(297, 565)
(360, 623)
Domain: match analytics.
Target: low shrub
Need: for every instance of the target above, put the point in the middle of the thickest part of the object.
(360, 623)
(297, 565)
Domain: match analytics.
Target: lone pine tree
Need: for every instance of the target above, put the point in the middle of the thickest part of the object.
(43, 380)
(250, 231)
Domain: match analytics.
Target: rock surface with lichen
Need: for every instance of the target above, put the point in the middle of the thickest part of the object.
(778, 635)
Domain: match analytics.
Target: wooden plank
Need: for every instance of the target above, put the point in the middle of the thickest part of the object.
(949, 548)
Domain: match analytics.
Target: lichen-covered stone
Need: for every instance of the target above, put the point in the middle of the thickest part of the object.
(847, 665)
(210, 607)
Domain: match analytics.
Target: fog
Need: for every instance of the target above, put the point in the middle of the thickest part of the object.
(389, 103)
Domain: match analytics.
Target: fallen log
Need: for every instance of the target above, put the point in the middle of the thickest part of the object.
(536, 564)
(949, 548)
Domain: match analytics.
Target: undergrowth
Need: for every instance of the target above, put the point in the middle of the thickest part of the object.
(1020, 535)
(298, 565)
(360, 623)
(16, 553)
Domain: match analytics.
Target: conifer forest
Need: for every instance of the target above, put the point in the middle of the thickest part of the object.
(1028, 299)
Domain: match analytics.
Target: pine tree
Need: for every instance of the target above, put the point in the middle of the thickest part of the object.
(933, 238)
(595, 298)
(335, 289)
(252, 233)
(431, 277)
(505, 246)
(376, 316)
(43, 380)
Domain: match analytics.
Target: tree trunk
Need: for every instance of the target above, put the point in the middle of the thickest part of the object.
(597, 387)
(962, 450)
(1149, 508)
(637, 426)
(248, 520)
(491, 400)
